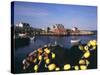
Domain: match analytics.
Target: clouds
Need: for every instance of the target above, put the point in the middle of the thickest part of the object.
(30, 11)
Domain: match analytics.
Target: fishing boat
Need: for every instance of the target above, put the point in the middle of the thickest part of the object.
(75, 41)
(32, 38)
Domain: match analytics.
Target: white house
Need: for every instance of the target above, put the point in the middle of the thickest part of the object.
(21, 35)
(75, 29)
(19, 25)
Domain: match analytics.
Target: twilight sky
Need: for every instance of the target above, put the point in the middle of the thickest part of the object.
(41, 15)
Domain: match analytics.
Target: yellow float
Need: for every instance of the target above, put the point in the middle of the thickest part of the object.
(40, 57)
(47, 50)
(57, 69)
(83, 67)
(81, 47)
(36, 68)
(86, 48)
(67, 66)
(51, 67)
(76, 67)
(53, 55)
(82, 61)
(86, 54)
(47, 61)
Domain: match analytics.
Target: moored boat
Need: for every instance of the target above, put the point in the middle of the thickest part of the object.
(75, 41)
(32, 38)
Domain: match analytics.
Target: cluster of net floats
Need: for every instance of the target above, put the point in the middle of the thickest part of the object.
(43, 58)
(87, 50)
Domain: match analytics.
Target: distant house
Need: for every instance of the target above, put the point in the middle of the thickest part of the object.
(58, 29)
(22, 25)
(21, 35)
(75, 29)
(19, 25)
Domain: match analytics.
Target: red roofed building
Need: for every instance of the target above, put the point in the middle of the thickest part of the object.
(58, 29)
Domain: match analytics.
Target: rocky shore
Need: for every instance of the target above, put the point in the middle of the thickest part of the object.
(82, 32)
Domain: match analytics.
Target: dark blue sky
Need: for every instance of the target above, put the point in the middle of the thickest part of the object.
(43, 15)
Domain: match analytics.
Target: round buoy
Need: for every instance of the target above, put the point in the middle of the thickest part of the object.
(83, 67)
(47, 61)
(51, 67)
(86, 54)
(57, 68)
(36, 68)
(53, 55)
(67, 66)
(76, 67)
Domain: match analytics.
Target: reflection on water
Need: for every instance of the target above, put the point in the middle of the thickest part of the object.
(21, 53)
